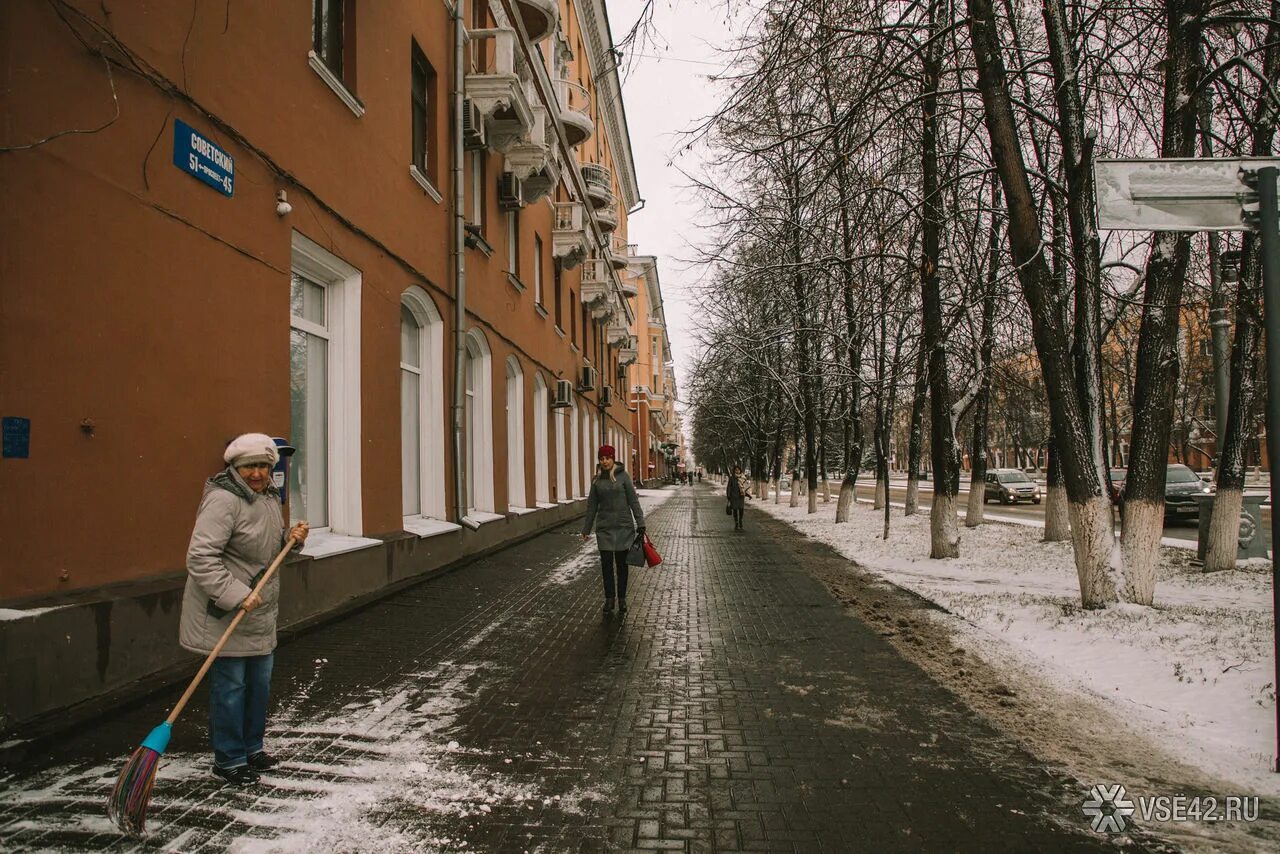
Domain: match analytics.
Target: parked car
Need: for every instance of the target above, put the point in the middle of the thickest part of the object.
(1181, 486)
(1009, 486)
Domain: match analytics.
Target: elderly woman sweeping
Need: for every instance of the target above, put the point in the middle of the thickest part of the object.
(613, 509)
(239, 529)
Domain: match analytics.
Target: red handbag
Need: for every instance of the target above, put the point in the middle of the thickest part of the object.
(651, 556)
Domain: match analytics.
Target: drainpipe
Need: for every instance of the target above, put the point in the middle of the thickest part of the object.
(459, 274)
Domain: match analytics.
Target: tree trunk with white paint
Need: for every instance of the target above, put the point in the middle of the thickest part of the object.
(1057, 517)
(944, 527)
(1140, 545)
(912, 502)
(1224, 531)
(879, 500)
(848, 489)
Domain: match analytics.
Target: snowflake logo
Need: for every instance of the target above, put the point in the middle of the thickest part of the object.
(1108, 806)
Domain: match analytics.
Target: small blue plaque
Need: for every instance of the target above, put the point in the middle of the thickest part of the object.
(17, 437)
(197, 155)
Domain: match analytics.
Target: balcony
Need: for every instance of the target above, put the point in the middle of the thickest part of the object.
(569, 236)
(496, 87)
(575, 113)
(604, 310)
(630, 288)
(540, 17)
(628, 356)
(656, 322)
(618, 253)
(618, 334)
(599, 181)
(529, 154)
(607, 216)
(595, 283)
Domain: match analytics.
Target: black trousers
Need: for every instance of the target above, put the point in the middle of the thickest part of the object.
(737, 517)
(609, 562)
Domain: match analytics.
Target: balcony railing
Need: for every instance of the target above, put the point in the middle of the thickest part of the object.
(607, 216)
(569, 235)
(575, 112)
(599, 181)
(618, 253)
(595, 282)
(494, 84)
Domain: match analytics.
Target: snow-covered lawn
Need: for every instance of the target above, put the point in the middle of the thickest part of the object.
(1194, 672)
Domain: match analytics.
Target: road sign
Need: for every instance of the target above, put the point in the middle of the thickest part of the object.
(1202, 194)
(197, 155)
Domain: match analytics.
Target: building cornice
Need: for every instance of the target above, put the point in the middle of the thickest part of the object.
(613, 113)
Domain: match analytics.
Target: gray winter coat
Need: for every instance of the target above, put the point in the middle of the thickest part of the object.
(613, 508)
(237, 534)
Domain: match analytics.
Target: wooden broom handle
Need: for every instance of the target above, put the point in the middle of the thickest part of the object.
(222, 641)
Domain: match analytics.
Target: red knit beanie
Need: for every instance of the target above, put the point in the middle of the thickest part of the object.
(606, 451)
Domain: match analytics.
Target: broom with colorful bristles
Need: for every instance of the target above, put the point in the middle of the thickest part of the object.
(127, 806)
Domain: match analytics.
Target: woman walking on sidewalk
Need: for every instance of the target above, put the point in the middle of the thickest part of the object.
(239, 529)
(613, 509)
(739, 489)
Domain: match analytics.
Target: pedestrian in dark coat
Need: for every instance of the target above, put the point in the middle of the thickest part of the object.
(239, 529)
(739, 490)
(613, 509)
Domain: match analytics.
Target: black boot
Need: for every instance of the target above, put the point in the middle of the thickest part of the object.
(622, 605)
(608, 604)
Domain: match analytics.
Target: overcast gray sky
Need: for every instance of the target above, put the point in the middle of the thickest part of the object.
(666, 90)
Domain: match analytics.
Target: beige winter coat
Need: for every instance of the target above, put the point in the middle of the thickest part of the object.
(237, 534)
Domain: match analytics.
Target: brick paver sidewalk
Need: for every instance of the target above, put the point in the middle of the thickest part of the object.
(735, 707)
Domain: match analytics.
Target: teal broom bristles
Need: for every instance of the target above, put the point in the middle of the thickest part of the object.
(127, 806)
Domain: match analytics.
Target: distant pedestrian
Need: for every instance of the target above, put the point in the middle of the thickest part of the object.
(613, 509)
(739, 490)
(699, 475)
(239, 529)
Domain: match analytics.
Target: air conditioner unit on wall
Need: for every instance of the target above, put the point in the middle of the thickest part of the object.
(472, 125)
(510, 191)
(564, 395)
(588, 378)
(606, 396)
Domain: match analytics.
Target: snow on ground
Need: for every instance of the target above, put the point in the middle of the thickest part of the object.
(1194, 671)
(386, 772)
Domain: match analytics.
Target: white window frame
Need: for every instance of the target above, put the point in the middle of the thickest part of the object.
(537, 270)
(513, 243)
(563, 489)
(541, 448)
(516, 497)
(431, 453)
(575, 458)
(343, 284)
(480, 425)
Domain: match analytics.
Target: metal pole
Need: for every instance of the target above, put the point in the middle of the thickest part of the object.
(1269, 226)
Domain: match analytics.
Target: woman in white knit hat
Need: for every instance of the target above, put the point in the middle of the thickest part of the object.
(239, 530)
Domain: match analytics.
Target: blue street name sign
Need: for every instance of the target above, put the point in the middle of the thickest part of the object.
(196, 155)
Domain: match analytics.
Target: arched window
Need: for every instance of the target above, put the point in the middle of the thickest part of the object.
(563, 490)
(515, 435)
(422, 450)
(541, 450)
(575, 454)
(478, 427)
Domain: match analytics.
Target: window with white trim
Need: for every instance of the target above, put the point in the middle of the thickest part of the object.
(515, 434)
(421, 406)
(479, 424)
(541, 474)
(324, 390)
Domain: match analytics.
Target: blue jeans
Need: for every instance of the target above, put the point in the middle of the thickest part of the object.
(238, 692)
